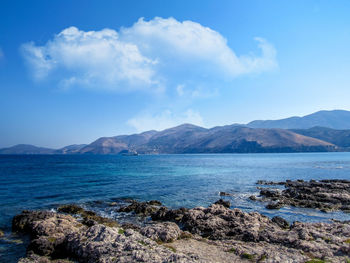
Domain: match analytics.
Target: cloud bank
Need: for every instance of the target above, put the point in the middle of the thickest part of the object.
(150, 55)
(165, 119)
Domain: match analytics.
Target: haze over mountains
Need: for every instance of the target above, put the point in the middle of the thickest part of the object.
(336, 119)
(320, 131)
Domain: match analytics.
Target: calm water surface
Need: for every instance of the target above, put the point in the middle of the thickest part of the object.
(46, 181)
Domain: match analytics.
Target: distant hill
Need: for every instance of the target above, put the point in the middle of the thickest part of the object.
(26, 149)
(189, 138)
(31, 149)
(70, 149)
(320, 131)
(340, 138)
(117, 144)
(336, 119)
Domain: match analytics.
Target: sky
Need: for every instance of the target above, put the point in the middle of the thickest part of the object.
(74, 71)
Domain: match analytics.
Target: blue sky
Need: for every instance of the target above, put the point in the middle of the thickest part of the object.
(73, 71)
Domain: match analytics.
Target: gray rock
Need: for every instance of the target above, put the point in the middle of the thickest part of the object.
(224, 203)
(281, 222)
(325, 195)
(274, 205)
(164, 232)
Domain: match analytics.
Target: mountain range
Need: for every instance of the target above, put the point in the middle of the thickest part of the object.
(335, 119)
(320, 131)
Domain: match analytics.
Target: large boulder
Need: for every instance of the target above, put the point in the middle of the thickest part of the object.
(164, 232)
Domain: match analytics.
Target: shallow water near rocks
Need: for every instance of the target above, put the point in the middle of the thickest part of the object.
(46, 181)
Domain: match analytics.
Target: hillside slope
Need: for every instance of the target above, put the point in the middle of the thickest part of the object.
(336, 119)
(189, 138)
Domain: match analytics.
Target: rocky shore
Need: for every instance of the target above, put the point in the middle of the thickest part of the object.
(213, 234)
(325, 195)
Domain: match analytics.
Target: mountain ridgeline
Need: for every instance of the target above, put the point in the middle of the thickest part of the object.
(319, 132)
(335, 119)
(188, 138)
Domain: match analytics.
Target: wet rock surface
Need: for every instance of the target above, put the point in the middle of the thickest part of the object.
(224, 203)
(213, 234)
(142, 208)
(325, 195)
(89, 218)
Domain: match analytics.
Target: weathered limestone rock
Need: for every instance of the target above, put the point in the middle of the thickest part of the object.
(164, 232)
(325, 195)
(57, 235)
(218, 234)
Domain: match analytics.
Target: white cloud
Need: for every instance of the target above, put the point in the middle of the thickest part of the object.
(165, 119)
(92, 59)
(148, 55)
(189, 43)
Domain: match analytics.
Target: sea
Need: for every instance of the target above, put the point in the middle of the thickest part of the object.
(188, 180)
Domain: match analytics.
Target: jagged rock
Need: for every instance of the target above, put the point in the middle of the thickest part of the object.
(70, 209)
(224, 203)
(219, 222)
(90, 218)
(60, 235)
(274, 205)
(325, 195)
(165, 232)
(131, 226)
(218, 234)
(141, 208)
(154, 202)
(281, 222)
(165, 214)
(271, 193)
(253, 198)
(104, 244)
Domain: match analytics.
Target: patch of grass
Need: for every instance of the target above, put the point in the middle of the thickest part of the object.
(231, 250)
(327, 239)
(52, 239)
(159, 242)
(347, 241)
(247, 256)
(171, 248)
(121, 231)
(262, 258)
(1, 233)
(347, 260)
(143, 243)
(78, 225)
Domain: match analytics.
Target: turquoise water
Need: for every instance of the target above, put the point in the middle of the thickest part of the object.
(46, 181)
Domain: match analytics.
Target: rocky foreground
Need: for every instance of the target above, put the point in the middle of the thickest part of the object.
(213, 234)
(325, 195)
